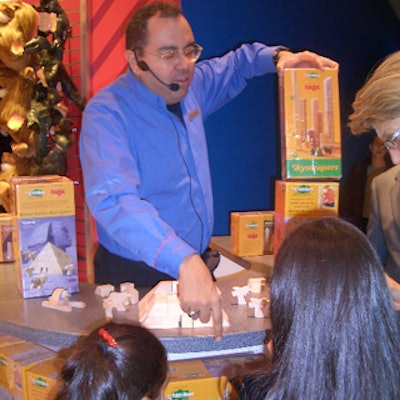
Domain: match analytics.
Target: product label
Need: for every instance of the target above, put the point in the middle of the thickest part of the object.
(311, 141)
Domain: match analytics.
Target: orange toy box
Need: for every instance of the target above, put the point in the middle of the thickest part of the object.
(15, 360)
(6, 341)
(296, 202)
(6, 233)
(43, 208)
(252, 233)
(310, 124)
(44, 379)
(217, 377)
(190, 379)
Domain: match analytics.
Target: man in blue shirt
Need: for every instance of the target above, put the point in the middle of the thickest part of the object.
(144, 154)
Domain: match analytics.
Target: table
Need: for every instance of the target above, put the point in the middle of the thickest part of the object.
(27, 319)
(262, 264)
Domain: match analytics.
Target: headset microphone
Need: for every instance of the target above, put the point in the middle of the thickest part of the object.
(174, 87)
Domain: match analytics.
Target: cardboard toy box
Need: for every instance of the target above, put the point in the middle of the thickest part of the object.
(190, 379)
(310, 124)
(296, 202)
(5, 394)
(45, 234)
(9, 340)
(217, 377)
(252, 233)
(44, 379)
(6, 234)
(15, 360)
(6, 341)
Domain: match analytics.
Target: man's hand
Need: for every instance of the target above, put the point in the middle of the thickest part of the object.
(304, 59)
(198, 293)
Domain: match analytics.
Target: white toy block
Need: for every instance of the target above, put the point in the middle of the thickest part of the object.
(77, 304)
(160, 309)
(108, 308)
(259, 305)
(240, 292)
(120, 300)
(185, 321)
(256, 285)
(129, 287)
(104, 290)
(59, 307)
(59, 300)
(188, 322)
(59, 295)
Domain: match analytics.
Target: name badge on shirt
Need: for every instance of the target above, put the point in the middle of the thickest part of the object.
(193, 114)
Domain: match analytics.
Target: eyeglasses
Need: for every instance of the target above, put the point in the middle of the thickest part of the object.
(192, 53)
(391, 144)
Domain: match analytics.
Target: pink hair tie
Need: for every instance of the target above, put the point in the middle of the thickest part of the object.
(108, 338)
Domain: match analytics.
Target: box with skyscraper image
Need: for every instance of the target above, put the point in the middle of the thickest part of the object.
(310, 124)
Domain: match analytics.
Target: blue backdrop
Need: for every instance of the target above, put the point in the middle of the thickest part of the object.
(243, 137)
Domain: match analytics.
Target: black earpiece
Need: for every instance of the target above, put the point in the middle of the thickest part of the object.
(142, 65)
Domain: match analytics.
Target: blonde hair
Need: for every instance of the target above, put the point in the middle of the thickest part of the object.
(379, 99)
(18, 25)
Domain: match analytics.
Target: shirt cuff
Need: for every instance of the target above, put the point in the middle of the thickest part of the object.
(170, 255)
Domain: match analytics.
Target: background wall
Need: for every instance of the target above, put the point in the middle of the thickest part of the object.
(243, 137)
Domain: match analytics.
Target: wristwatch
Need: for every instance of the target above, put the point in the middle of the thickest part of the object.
(275, 55)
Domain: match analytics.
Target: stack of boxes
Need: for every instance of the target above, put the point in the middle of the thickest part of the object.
(311, 162)
(311, 148)
(28, 371)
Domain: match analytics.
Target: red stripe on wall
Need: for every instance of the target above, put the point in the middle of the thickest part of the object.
(107, 22)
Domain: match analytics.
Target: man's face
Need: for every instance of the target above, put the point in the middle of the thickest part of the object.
(385, 130)
(377, 148)
(166, 34)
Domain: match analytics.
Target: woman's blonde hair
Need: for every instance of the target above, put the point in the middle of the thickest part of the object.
(379, 99)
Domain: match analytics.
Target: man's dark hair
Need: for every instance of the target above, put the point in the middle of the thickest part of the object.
(136, 34)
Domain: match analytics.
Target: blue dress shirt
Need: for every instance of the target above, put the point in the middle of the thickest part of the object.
(146, 173)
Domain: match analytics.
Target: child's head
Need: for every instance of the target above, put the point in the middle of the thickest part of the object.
(329, 304)
(115, 361)
(334, 275)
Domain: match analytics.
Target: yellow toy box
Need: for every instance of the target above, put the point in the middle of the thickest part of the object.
(6, 232)
(45, 234)
(217, 377)
(296, 202)
(6, 341)
(44, 379)
(15, 360)
(190, 379)
(310, 124)
(252, 233)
